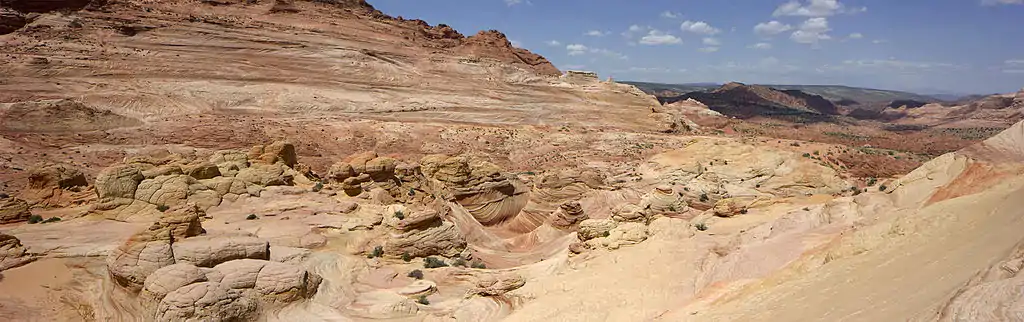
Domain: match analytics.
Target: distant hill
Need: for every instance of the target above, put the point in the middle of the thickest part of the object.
(748, 101)
(835, 93)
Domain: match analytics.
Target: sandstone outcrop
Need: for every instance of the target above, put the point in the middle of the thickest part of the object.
(13, 210)
(490, 285)
(12, 252)
(422, 234)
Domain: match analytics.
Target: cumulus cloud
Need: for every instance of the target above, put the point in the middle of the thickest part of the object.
(553, 43)
(812, 31)
(595, 33)
(815, 8)
(658, 37)
(856, 35)
(576, 49)
(710, 41)
(670, 15)
(771, 28)
(708, 49)
(633, 30)
(513, 2)
(698, 27)
(761, 45)
(609, 53)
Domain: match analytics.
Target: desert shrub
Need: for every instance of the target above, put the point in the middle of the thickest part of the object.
(433, 262)
(881, 188)
(743, 211)
(816, 152)
(703, 197)
(795, 144)
(701, 226)
(399, 214)
(318, 186)
(417, 274)
(459, 262)
(251, 217)
(406, 257)
(162, 208)
(871, 181)
(377, 252)
(423, 300)
(35, 219)
(51, 219)
(807, 155)
(478, 265)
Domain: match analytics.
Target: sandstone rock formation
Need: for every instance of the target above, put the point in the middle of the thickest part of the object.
(13, 210)
(12, 252)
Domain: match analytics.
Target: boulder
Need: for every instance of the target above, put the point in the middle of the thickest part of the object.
(340, 171)
(12, 253)
(497, 285)
(440, 238)
(162, 170)
(209, 251)
(277, 152)
(568, 215)
(201, 170)
(60, 176)
(171, 190)
(207, 301)
(119, 181)
(266, 175)
(595, 228)
(729, 207)
(169, 278)
(13, 210)
(629, 213)
(226, 185)
(277, 282)
(147, 251)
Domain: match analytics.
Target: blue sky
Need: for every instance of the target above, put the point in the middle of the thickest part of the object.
(927, 46)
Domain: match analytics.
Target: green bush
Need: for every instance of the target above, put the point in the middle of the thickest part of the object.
(807, 155)
(433, 262)
(35, 219)
(478, 265)
(417, 274)
(459, 262)
(377, 252)
(702, 226)
(703, 197)
(881, 188)
(423, 300)
(162, 208)
(399, 214)
(406, 257)
(318, 186)
(871, 181)
(251, 217)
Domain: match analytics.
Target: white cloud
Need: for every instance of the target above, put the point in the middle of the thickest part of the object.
(710, 41)
(856, 35)
(658, 37)
(698, 27)
(767, 65)
(771, 28)
(513, 2)
(999, 2)
(516, 43)
(1013, 66)
(608, 53)
(553, 43)
(708, 49)
(633, 30)
(812, 31)
(595, 33)
(890, 66)
(1014, 62)
(761, 45)
(815, 8)
(670, 15)
(1013, 71)
(576, 49)
(879, 41)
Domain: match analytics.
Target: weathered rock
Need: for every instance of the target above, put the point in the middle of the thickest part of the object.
(594, 228)
(147, 251)
(207, 301)
(209, 251)
(12, 253)
(277, 152)
(162, 170)
(169, 278)
(568, 215)
(61, 176)
(172, 190)
(225, 185)
(629, 212)
(340, 171)
(358, 161)
(13, 210)
(663, 199)
(119, 181)
(441, 238)
(10, 21)
(497, 285)
(201, 170)
(279, 282)
(266, 175)
(729, 207)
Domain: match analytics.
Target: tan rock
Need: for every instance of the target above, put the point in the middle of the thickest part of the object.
(170, 278)
(340, 171)
(441, 238)
(568, 215)
(201, 170)
(729, 207)
(207, 301)
(163, 170)
(13, 210)
(12, 253)
(277, 152)
(119, 181)
(497, 285)
(209, 251)
(149, 250)
(279, 282)
(595, 228)
(266, 175)
(61, 176)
